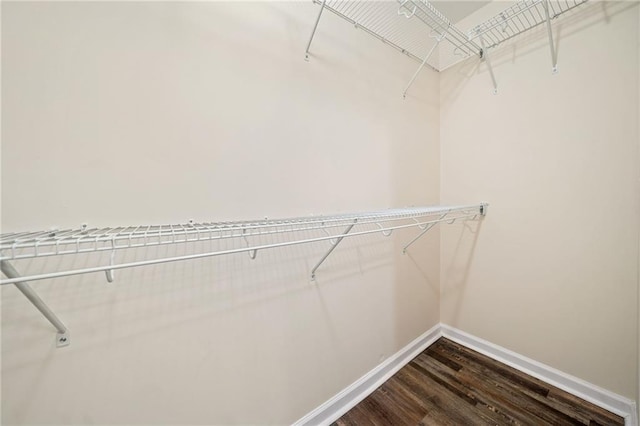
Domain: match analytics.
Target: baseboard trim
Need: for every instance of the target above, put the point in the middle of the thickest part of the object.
(601, 397)
(348, 398)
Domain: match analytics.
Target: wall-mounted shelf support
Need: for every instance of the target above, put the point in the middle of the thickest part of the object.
(485, 56)
(417, 237)
(313, 32)
(334, 244)
(554, 54)
(439, 38)
(62, 338)
(407, 27)
(520, 17)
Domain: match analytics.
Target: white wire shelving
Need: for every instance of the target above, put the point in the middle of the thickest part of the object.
(250, 237)
(521, 17)
(392, 23)
(417, 28)
(381, 20)
(517, 19)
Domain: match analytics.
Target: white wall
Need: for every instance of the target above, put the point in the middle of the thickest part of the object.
(137, 113)
(132, 113)
(552, 273)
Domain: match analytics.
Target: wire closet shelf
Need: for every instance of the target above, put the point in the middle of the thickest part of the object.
(391, 22)
(417, 28)
(284, 232)
(245, 236)
(521, 17)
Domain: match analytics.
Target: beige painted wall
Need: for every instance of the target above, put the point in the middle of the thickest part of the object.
(136, 113)
(553, 272)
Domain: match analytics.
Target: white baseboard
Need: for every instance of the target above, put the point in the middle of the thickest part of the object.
(601, 397)
(348, 398)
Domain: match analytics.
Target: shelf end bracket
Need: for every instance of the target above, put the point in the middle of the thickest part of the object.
(554, 54)
(424, 61)
(333, 246)
(426, 229)
(485, 55)
(313, 32)
(62, 338)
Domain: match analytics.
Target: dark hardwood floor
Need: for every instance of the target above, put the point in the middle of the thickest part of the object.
(448, 384)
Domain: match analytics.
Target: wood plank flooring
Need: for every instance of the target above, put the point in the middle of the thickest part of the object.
(448, 384)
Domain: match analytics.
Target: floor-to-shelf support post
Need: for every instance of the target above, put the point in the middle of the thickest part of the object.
(426, 229)
(313, 32)
(485, 56)
(554, 54)
(62, 338)
(333, 246)
(424, 61)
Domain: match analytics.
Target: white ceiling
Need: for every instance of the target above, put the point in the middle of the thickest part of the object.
(456, 10)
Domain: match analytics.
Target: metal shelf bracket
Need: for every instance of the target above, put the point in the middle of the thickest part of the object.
(485, 55)
(333, 246)
(520, 17)
(554, 54)
(482, 211)
(439, 38)
(62, 338)
(426, 229)
(313, 32)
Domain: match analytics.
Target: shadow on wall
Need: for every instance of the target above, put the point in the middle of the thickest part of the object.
(454, 279)
(155, 298)
(572, 22)
(416, 288)
(567, 24)
(207, 318)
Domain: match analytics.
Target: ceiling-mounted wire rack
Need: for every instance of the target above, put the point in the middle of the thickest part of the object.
(246, 237)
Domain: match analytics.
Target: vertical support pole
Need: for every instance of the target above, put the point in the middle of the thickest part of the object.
(426, 58)
(62, 338)
(315, 27)
(333, 246)
(554, 54)
(485, 55)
